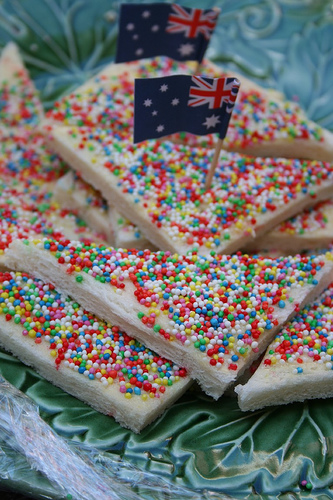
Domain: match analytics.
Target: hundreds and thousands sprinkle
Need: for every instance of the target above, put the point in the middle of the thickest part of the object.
(167, 181)
(310, 220)
(27, 208)
(25, 159)
(218, 305)
(256, 117)
(80, 341)
(19, 102)
(306, 339)
(29, 214)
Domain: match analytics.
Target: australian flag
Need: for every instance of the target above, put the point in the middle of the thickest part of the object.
(160, 29)
(180, 103)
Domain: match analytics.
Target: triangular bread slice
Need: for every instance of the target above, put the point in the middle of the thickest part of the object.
(159, 186)
(35, 214)
(126, 234)
(263, 123)
(74, 194)
(309, 230)
(213, 315)
(20, 103)
(28, 169)
(86, 357)
(298, 363)
(107, 101)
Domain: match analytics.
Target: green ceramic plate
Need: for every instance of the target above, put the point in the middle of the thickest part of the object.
(198, 443)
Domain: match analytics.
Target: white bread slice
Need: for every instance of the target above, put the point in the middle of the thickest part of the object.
(139, 305)
(126, 235)
(275, 127)
(309, 230)
(75, 194)
(32, 212)
(22, 107)
(307, 372)
(237, 177)
(135, 412)
(263, 123)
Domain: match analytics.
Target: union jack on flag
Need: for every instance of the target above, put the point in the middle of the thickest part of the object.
(192, 22)
(162, 29)
(181, 103)
(213, 93)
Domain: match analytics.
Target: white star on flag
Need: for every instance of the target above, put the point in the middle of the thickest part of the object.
(160, 128)
(155, 28)
(148, 102)
(139, 52)
(154, 113)
(175, 101)
(211, 121)
(186, 49)
(130, 27)
(164, 87)
(146, 14)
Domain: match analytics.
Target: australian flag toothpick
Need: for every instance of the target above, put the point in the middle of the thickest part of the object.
(160, 29)
(181, 103)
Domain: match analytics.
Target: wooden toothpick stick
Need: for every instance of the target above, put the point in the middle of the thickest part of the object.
(196, 70)
(213, 165)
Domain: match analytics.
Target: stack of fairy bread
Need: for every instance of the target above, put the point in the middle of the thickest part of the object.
(124, 279)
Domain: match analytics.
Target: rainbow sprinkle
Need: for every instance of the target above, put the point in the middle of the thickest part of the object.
(29, 214)
(166, 181)
(25, 159)
(19, 102)
(307, 339)
(309, 221)
(217, 305)
(256, 118)
(82, 342)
